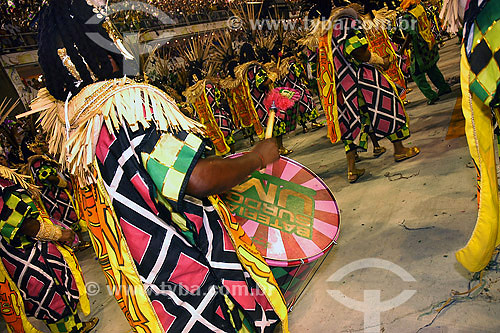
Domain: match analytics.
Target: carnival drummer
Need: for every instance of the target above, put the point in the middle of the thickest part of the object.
(148, 192)
(360, 84)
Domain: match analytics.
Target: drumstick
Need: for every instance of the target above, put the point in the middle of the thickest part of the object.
(270, 122)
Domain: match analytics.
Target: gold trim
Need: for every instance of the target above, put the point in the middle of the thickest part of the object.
(195, 91)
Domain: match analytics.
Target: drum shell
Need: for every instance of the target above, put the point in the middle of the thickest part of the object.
(293, 280)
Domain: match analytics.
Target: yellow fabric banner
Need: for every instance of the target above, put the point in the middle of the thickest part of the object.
(12, 305)
(116, 261)
(253, 262)
(327, 86)
(424, 26)
(476, 255)
(206, 115)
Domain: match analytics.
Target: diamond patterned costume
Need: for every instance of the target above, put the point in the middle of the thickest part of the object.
(45, 274)
(365, 99)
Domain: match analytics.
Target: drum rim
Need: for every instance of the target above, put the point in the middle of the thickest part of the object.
(329, 247)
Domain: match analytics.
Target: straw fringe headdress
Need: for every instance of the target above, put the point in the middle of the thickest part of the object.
(222, 48)
(197, 54)
(320, 28)
(75, 128)
(21, 180)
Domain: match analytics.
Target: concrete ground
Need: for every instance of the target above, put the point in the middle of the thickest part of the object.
(406, 219)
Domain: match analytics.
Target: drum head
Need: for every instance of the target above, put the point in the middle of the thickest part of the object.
(288, 211)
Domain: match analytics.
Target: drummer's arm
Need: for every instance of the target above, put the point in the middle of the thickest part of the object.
(215, 175)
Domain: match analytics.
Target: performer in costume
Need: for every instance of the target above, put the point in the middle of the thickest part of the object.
(424, 51)
(240, 102)
(351, 87)
(258, 83)
(290, 116)
(57, 192)
(293, 75)
(480, 81)
(432, 9)
(376, 22)
(39, 275)
(206, 99)
(173, 256)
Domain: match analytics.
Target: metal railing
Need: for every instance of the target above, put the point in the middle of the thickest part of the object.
(24, 41)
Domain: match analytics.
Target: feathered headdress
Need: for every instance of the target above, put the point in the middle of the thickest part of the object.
(382, 18)
(197, 52)
(5, 109)
(265, 41)
(222, 47)
(21, 180)
(451, 15)
(320, 28)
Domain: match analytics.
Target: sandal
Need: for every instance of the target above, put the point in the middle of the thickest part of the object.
(353, 176)
(412, 152)
(89, 325)
(378, 151)
(284, 151)
(83, 246)
(315, 126)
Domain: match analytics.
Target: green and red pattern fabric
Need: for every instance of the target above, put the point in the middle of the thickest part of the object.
(482, 46)
(223, 117)
(256, 76)
(306, 108)
(56, 200)
(38, 269)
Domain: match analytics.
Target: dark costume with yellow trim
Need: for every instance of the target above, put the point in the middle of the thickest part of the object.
(46, 274)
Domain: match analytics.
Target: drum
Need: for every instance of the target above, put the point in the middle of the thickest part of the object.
(292, 218)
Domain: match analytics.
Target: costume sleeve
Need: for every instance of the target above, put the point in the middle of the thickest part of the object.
(260, 78)
(355, 37)
(43, 172)
(16, 207)
(170, 162)
(298, 70)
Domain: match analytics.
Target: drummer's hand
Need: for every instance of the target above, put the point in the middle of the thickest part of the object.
(68, 236)
(268, 150)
